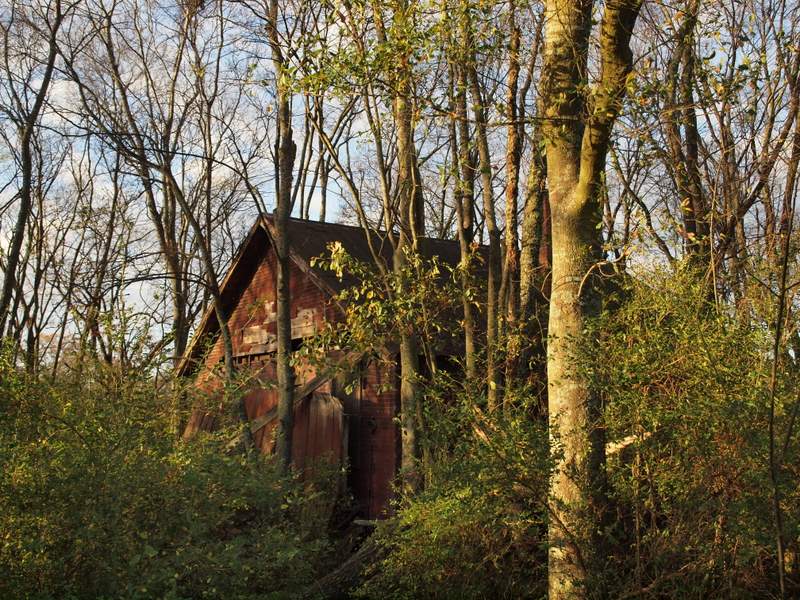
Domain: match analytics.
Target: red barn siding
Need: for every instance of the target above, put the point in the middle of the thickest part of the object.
(375, 439)
(367, 417)
(318, 427)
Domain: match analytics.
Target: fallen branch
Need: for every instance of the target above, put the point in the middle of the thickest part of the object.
(338, 584)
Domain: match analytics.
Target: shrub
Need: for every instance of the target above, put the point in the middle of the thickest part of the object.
(478, 529)
(685, 390)
(97, 500)
(685, 398)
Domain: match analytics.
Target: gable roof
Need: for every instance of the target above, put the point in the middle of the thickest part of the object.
(307, 240)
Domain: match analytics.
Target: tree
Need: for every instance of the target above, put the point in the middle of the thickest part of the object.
(577, 128)
(285, 150)
(28, 74)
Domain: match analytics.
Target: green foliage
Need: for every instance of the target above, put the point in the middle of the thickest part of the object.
(423, 298)
(685, 394)
(478, 530)
(97, 500)
(686, 409)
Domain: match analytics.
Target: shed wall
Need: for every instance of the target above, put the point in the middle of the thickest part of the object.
(366, 417)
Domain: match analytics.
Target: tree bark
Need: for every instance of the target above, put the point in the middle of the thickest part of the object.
(576, 131)
(495, 251)
(533, 271)
(464, 171)
(680, 112)
(409, 226)
(285, 151)
(508, 295)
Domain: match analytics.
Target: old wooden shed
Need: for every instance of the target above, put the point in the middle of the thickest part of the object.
(357, 425)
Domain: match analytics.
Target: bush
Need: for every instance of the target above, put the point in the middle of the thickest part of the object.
(97, 500)
(684, 387)
(478, 530)
(685, 390)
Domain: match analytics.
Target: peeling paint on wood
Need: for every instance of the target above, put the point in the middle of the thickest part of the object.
(357, 429)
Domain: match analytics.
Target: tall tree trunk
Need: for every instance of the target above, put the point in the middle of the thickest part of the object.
(576, 131)
(464, 170)
(533, 270)
(409, 196)
(495, 250)
(285, 152)
(508, 296)
(679, 111)
(406, 214)
(533, 229)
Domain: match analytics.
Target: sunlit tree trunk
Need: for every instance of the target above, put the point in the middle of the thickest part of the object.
(410, 227)
(576, 128)
(495, 248)
(680, 123)
(285, 152)
(508, 295)
(464, 171)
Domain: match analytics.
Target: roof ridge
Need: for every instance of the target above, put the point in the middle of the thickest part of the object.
(300, 220)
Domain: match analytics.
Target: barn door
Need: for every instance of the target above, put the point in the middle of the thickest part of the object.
(319, 430)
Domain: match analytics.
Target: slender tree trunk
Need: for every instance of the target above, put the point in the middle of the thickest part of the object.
(680, 112)
(286, 150)
(323, 162)
(495, 250)
(409, 194)
(533, 271)
(216, 296)
(533, 227)
(508, 296)
(464, 171)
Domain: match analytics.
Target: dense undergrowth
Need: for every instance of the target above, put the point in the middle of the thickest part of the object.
(98, 500)
(685, 387)
(478, 530)
(689, 501)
